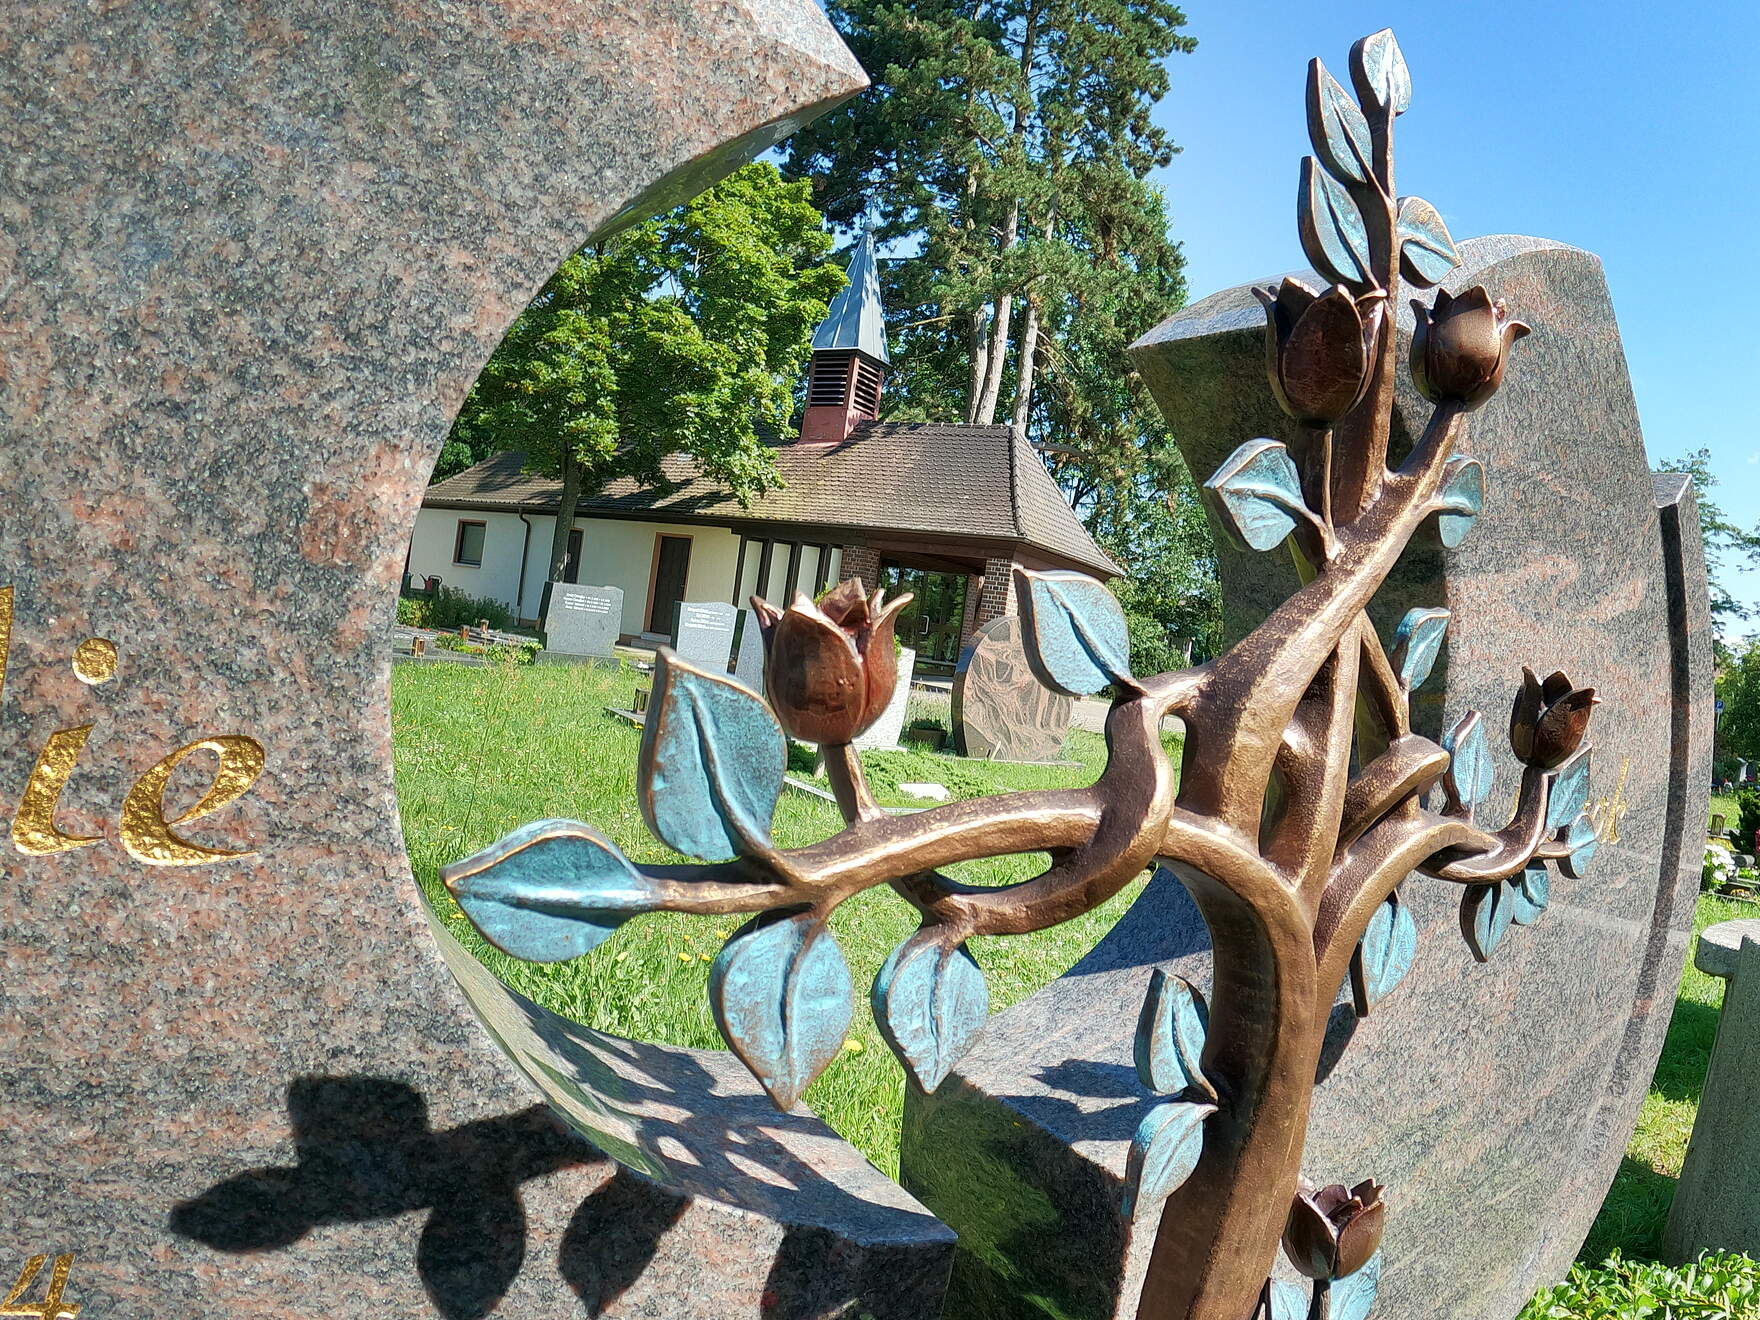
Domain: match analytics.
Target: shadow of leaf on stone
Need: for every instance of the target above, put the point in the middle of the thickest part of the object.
(365, 1151)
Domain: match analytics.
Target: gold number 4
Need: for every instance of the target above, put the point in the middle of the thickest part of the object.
(51, 1307)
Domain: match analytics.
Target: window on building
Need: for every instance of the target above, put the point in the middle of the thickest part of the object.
(468, 548)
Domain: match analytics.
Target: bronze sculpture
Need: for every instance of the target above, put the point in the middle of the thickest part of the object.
(1298, 809)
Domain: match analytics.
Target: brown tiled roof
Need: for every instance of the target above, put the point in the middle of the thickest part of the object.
(961, 482)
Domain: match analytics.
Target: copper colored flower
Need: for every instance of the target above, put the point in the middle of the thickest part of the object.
(1332, 1232)
(1461, 346)
(1549, 720)
(1319, 350)
(830, 667)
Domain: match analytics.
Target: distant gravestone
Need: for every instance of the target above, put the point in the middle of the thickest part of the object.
(703, 634)
(1714, 1205)
(1493, 1101)
(583, 620)
(1001, 711)
(883, 733)
(748, 666)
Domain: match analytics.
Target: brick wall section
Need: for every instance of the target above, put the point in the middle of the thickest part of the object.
(860, 561)
(997, 596)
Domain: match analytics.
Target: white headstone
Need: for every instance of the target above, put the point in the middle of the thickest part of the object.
(748, 667)
(704, 635)
(583, 620)
(882, 734)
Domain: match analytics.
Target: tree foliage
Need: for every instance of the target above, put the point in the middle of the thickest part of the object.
(683, 334)
(1727, 546)
(1007, 146)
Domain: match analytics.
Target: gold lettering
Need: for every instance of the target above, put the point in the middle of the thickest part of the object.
(51, 1307)
(34, 831)
(1611, 810)
(5, 631)
(146, 833)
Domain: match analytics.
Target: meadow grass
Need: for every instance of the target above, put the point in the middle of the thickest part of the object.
(482, 750)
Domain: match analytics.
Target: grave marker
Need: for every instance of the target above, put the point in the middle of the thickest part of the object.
(1001, 711)
(883, 734)
(748, 668)
(703, 634)
(1544, 1057)
(584, 620)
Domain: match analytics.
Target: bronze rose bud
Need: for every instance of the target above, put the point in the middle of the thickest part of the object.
(831, 666)
(1460, 347)
(1332, 1232)
(1319, 350)
(1549, 720)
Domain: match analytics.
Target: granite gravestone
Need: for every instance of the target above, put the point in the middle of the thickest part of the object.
(1714, 1205)
(239, 1078)
(1001, 712)
(703, 634)
(584, 620)
(1495, 1100)
(884, 732)
(748, 664)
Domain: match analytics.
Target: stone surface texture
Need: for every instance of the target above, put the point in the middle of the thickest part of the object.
(583, 620)
(1001, 711)
(252, 259)
(1493, 1100)
(748, 664)
(704, 634)
(883, 733)
(1714, 1206)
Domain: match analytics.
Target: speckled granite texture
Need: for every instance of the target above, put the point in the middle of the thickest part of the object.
(251, 258)
(1495, 1101)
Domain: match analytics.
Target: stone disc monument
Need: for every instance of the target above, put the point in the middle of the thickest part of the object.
(253, 259)
(1494, 1101)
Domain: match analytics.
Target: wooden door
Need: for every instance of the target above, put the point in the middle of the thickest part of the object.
(672, 564)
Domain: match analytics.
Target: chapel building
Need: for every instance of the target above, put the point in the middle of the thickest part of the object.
(942, 510)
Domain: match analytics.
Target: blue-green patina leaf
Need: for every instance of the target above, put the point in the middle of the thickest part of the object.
(780, 991)
(1529, 894)
(1469, 766)
(1337, 128)
(1570, 791)
(930, 1002)
(1486, 912)
(1460, 498)
(711, 763)
(1077, 638)
(1582, 839)
(1163, 1153)
(1426, 249)
(1331, 228)
(1170, 1036)
(1353, 1296)
(1389, 946)
(549, 891)
(1378, 68)
(1259, 486)
(1290, 1301)
(1416, 644)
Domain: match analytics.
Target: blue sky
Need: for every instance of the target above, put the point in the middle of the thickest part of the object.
(1632, 131)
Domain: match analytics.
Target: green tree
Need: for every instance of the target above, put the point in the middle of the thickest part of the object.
(1738, 687)
(685, 334)
(1727, 546)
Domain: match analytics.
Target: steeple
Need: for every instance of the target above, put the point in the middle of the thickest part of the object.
(849, 359)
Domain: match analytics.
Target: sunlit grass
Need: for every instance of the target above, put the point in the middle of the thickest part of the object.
(483, 750)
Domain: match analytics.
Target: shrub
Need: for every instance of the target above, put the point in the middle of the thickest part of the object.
(1714, 1287)
(412, 611)
(1748, 817)
(451, 608)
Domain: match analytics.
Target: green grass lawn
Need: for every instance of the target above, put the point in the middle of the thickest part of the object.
(482, 750)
